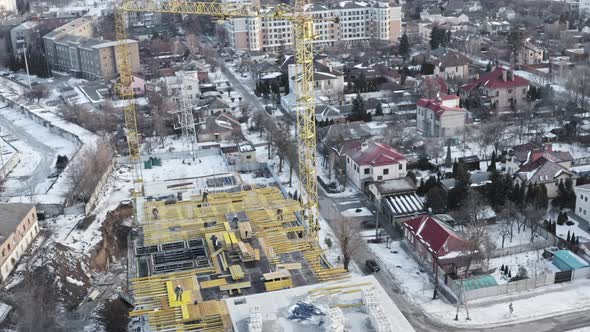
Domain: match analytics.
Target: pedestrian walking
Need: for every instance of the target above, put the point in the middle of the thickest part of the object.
(205, 194)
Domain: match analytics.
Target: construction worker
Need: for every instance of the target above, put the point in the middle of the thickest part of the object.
(178, 291)
(279, 214)
(205, 194)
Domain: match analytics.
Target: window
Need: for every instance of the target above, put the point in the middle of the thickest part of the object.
(386, 171)
(248, 157)
(580, 209)
(401, 166)
(523, 91)
(509, 90)
(586, 199)
(497, 93)
(367, 170)
(379, 178)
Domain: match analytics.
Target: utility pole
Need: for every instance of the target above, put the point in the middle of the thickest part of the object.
(27, 65)
(377, 226)
(435, 261)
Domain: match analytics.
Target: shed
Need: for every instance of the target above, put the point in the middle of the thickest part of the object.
(566, 260)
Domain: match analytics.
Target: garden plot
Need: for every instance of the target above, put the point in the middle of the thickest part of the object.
(532, 261)
(518, 238)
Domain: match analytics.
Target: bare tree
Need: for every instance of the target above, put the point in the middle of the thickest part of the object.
(532, 217)
(506, 220)
(493, 133)
(87, 168)
(347, 233)
(37, 92)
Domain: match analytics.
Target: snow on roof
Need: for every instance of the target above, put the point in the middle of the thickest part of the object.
(271, 75)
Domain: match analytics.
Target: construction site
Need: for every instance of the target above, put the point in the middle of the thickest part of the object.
(217, 245)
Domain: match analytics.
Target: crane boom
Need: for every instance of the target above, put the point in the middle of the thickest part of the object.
(306, 131)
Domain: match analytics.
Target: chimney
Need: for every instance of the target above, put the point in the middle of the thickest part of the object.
(364, 145)
(504, 74)
(511, 75)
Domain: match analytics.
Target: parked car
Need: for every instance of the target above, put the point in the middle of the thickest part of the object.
(368, 224)
(372, 266)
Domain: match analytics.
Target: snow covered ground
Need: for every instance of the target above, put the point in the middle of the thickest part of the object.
(562, 230)
(518, 238)
(532, 261)
(82, 241)
(360, 212)
(541, 302)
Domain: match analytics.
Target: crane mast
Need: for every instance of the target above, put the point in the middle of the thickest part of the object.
(306, 131)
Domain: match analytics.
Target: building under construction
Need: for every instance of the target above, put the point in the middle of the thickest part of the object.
(216, 245)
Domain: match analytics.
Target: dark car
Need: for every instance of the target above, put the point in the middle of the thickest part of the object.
(372, 266)
(368, 224)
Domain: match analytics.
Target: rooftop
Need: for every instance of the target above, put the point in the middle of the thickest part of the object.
(495, 80)
(11, 215)
(375, 154)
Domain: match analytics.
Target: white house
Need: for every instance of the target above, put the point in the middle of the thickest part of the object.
(583, 201)
(440, 117)
(370, 161)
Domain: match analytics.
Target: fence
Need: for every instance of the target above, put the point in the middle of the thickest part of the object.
(174, 155)
(543, 279)
(548, 240)
(95, 194)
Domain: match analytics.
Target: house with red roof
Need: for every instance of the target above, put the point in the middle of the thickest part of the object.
(430, 87)
(500, 87)
(440, 116)
(369, 161)
(433, 240)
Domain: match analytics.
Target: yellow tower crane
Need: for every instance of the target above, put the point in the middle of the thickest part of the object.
(306, 131)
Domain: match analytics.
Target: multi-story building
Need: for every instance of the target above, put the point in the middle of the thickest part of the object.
(143, 19)
(582, 204)
(440, 117)
(369, 161)
(23, 35)
(18, 229)
(72, 49)
(497, 27)
(82, 27)
(348, 22)
(9, 6)
(500, 87)
(92, 58)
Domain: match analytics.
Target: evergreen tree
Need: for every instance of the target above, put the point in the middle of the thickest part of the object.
(438, 37)
(577, 240)
(502, 268)
(436, 199)
(448, 159)
(379, 109)
(573, 238)
(489, 66)
(568, 236)
(462, 185)
(530, 194)
(492, 166)
(498, 189)
(509, 273)
(359, 111)
(455, 167)
(404, 47)
(541, 200)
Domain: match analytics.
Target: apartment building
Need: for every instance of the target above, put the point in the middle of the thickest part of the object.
(349, 22)
(24, 35)
(82, 27)
(18, 229)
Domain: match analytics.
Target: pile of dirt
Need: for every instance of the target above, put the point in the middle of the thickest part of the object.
(113, 245)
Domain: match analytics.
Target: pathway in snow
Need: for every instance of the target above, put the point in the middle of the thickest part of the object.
(43, 168)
